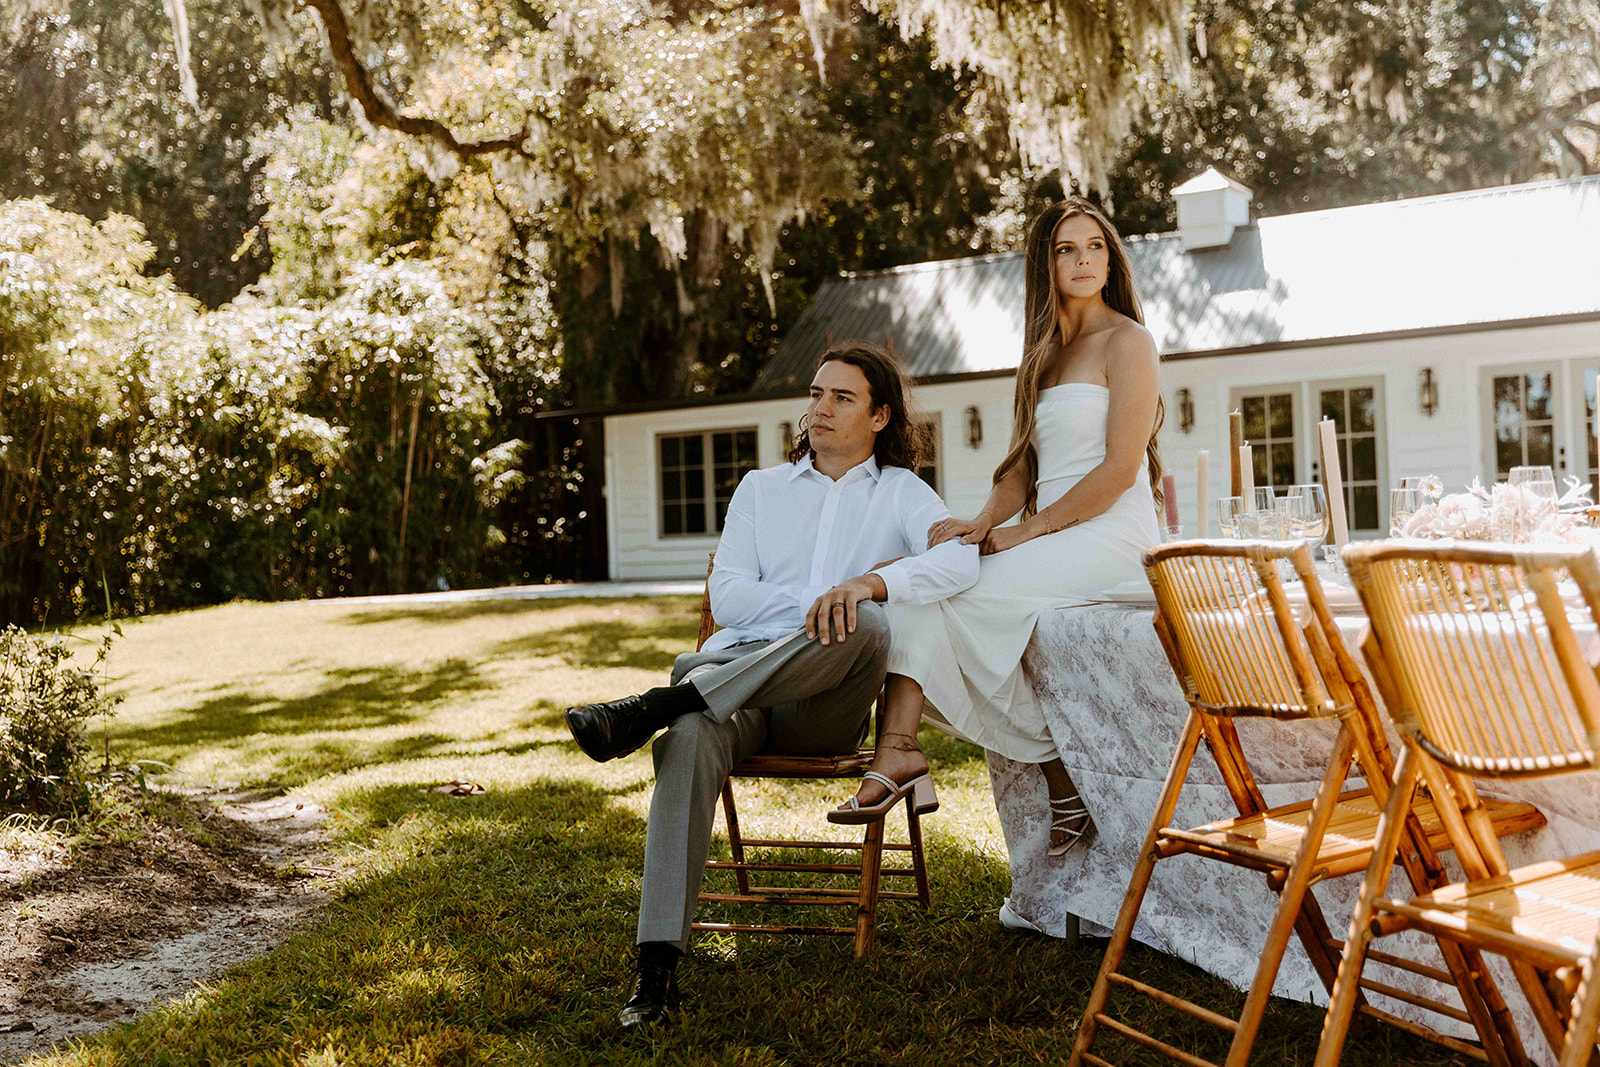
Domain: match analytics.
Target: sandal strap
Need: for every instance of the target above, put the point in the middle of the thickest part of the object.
(884, 780)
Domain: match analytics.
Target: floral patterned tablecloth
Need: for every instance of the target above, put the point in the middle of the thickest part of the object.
(1116, 713)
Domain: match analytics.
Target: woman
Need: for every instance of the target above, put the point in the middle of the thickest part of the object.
(1079, 470)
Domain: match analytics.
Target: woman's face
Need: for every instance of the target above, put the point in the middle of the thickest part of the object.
(1081, 257)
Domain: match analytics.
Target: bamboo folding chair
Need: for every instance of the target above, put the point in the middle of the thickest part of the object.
(1231, 635)
(1481, 668)
(868, 872)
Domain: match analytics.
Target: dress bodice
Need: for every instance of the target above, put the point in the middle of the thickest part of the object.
(1069, 435)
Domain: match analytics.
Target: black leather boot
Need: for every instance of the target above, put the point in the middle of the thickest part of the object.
(606, 731)
(655, 990)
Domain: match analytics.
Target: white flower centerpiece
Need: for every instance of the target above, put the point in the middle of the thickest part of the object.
(1502, 512)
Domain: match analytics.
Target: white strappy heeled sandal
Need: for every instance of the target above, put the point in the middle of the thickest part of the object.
(1070, 818)
(923, 799)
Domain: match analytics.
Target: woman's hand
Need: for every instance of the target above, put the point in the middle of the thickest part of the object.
(971, 531)
(1002, 538)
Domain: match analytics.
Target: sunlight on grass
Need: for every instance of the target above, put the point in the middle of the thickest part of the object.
(498, 928)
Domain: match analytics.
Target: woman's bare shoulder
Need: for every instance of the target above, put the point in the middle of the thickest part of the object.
(1129, 340)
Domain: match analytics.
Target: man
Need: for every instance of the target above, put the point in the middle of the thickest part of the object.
(799, 573)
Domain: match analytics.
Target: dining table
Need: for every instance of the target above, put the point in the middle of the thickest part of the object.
(1115, 711)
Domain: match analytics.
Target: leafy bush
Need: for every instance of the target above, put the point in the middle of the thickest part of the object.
(44, 702)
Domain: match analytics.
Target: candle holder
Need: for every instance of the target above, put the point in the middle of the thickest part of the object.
(1175, 533)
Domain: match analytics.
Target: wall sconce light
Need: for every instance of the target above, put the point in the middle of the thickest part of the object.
(974, 427)
(1427, 391)
(1185, 410)
(785, 440)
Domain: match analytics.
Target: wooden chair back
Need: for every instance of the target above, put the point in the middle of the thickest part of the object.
(1240, 650)
(1487, 673)
(708, 625)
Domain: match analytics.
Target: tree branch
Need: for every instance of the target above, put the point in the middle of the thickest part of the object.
(380, 111)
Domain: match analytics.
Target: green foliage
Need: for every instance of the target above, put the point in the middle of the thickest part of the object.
(44, 703)
(92, 117)
(154, 456)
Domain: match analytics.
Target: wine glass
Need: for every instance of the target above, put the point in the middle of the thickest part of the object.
(1229, 508)
(1403, 503)
(1264, 518)
(1536, 499)
(1306, 510)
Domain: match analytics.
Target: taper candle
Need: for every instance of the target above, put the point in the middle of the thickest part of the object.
(1333, 482)
(1247, 477)
(1235, 442)
(1202, 462)
(1169, 499)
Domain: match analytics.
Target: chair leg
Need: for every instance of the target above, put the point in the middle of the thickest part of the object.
(735, 842)
(1137, 885)
(1579, 1048)
(867, 902)
(1347, 986)
(918, 865)
(1296, 885)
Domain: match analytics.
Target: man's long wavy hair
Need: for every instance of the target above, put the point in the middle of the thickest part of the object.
(1040, 343)
(897, 444)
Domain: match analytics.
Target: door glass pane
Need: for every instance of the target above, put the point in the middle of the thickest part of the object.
(1364, 460)
(1364, 507)
(1282, 465)
(1507, 448)
(1269, 430)
(1541, 446)
(1363, 410)
(1356, 419)
(1254, 409)
(1538, 396)
(1333, 407)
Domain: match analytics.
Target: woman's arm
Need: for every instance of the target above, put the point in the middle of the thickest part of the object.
(1133, 374)
(1005, 500)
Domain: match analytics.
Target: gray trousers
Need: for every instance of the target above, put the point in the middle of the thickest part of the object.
(792, 696)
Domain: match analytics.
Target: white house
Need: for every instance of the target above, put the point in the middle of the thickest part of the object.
(1456, 335)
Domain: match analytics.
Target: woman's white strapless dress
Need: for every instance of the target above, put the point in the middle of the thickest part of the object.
(966, 651)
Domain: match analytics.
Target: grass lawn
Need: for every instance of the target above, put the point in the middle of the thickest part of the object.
(498, 928)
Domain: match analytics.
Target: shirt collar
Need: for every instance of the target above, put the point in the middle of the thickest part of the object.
(869, 467)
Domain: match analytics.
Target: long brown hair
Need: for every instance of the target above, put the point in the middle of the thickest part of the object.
(897, 444)
(1039, 336)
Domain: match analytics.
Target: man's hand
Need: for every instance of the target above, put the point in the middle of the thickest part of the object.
(1002, 538)
(836, 609)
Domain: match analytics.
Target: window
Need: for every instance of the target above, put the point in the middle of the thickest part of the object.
(1357, 417)
(1269, 431)
(699, 472)
(927, 432)
(1522, 418)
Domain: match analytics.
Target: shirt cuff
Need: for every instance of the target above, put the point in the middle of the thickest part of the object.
(895, 581)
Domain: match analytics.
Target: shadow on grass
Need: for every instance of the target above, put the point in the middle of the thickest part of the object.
(684, 606)
(357, 699)
(647, 645)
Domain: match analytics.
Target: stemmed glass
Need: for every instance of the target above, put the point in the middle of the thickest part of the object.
(1229, 508)
(1403, 503)
(1536, 500)
(1262, 518)
(1305, 511)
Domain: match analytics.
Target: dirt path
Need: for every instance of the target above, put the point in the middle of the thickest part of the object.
(125, 927)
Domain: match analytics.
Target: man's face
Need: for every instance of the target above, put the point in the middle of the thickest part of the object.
(842, 421)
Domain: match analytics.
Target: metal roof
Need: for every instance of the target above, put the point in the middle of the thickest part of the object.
(1521, 252)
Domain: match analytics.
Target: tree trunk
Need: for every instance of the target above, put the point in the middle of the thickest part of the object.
(405, 494)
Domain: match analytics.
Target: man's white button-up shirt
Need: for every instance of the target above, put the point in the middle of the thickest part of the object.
(792, 533)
